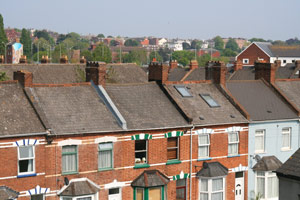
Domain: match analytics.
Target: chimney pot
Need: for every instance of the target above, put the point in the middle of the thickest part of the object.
(173, 64)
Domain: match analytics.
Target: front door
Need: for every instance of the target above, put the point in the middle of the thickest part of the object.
(239, 186)
(114, 194)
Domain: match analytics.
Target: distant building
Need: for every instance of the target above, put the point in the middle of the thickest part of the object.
(212, 52)
(162, 42)
(240, 41)
(14, 52)
(12, 35)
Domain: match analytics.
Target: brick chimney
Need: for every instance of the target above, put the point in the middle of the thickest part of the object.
(218, 72)
(297, 66)
(158, 72)
(24, 78)
(96, 72)
(193, 64)
(238, 65)
(173, 64)
(266, 71)
(277, 63)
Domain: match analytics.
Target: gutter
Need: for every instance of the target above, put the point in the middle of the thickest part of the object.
(25, 134)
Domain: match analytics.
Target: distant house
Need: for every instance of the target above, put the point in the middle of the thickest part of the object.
(213, 52)
(289, 178)
(14, 52)
(12, 35)
(162, 42)
(265, 51)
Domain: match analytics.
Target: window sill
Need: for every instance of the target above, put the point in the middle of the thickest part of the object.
(260, 152)
(285, 149)
(172, 162)
(68, 173)
(105, 169)
(138, 166)
(232, 156)
(26, 175)
(203, 159)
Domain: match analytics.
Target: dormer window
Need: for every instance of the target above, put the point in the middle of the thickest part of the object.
(209, 100)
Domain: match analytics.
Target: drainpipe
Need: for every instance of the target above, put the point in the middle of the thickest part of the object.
(191, 160)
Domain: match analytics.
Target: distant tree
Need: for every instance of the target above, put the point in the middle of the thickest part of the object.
(3, 76)
(59, 50)
(114, 43)
(183, 57)
(60, 38)
(231, 44)
(73, 36)
(279, 43)
(219, 43)
(109, 36)
(257, 40)
(100, 35)
(26, 41)
(87, 55)
(136, 56)
(165, 53)
(102, 53)
(228, 53)
(196, 44)
(202, 60)
(155, 55)
(40, 54)
(293, 41)
(131, 43)
(18, 30)
(41, 45)
(44, 34)
(186, 46)
(3, 38)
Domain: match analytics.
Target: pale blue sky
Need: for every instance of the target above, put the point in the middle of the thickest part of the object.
(269, 19)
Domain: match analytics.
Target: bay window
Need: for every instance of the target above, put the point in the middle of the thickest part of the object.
(212, 189)
(266, 185)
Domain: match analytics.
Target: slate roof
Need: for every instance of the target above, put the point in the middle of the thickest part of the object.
(197, 108)
(197, 74)
(267, 163)
(7, 194)
(279, 51)
(150, 178)
(75, 109)
(126, 73)
(246, 73)
(49, 73)
(177, 74)
(17, 115)
(212, 169)
(291, 167)
(291, 89)
(145, 106)
(79, 187)
(260, 101)
(265, 47)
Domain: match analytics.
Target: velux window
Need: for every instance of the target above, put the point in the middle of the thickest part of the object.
(26, 159)
(183, 91)
(141, 152)
(209, 100)
(172, 148)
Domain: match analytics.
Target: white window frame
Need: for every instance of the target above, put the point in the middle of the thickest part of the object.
(264, 140)
(284, 132)
(268, 174)
(136, 151)
(209, 187)
(204, 145)
(120, 191)
(245, 60)
(29, 158)
(234, 143)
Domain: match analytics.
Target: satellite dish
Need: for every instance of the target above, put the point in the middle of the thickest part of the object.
(66, 180)
(257, 158)
(205, 165)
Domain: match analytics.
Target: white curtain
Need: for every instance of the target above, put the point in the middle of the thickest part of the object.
(204, 185)
(203, 196)
(259, 142)
(69, 160)
(272, 187)
(104, 159)
(217, 196)
(26, 159)
(217, 184)
(286, 140)
(85, 198)
(203, 150)
(261, 186)
(26, 152)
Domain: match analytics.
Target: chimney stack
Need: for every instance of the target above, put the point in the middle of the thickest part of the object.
(158, 72)
(24, 78)
(173, 64)
(297, 66)
(193, 64)
(277, 63)
(218, 72)
(63, 59)
(238, 65)
(96, 72)
(265, 70)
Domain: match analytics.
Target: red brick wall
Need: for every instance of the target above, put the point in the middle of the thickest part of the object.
(253, 53)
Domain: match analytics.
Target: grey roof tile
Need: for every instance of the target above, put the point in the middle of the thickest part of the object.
(7, 194)
(177, 74)
(291, 167)
(291, 89)
(212, 169)
(150, 178)
(197, 74)
(267, 163)
(79, 188)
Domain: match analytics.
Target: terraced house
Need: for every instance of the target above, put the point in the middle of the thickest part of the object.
(139, 141)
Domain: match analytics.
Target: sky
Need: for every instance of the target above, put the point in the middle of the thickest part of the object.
(186, 19)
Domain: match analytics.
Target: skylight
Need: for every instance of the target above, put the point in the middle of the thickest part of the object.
(183, 91)
(209, 100)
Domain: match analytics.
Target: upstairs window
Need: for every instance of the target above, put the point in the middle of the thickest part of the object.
(140, 151)
(105, 156)
(203, 145)
(286, 138)
(69, 159)
(260, 141)
(26, 159)
(209, 100)
(183, 91)
(245, 61)
(172, 148)
(233, 143)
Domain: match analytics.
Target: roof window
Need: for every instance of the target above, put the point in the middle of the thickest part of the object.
(183, 91)
(209, 100)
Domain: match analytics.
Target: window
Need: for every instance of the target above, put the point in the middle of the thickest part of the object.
(284, 61)
(69, 159)
(26, 159)
(286, 138)
(155, 193)
(87, 197)
(139, 194)
(212, 189)
(209, 100)
(113, 191)
(183, 91)
(233, 143)
(105, 155)
(260, 141)
(140, 151)
(37, 197)
(266, 185)
(181, 189)
(245, 61)
(203, 145)
(172, 148)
